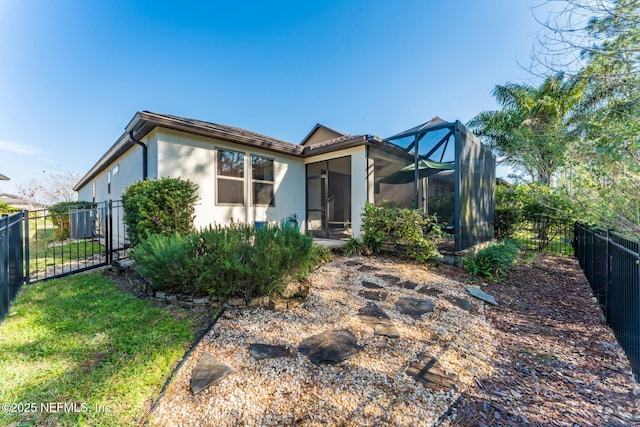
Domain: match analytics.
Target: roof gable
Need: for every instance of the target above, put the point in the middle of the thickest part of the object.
(321, 133)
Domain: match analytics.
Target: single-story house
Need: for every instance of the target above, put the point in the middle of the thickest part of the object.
(14, 201)
(324, 181)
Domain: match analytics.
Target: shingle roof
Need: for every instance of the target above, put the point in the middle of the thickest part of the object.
(145, 121)
(214, 130)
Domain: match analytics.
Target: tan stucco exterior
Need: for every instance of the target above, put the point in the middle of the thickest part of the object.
(181, 155)
(189, 152)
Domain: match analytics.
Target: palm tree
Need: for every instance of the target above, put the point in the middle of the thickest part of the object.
(530, 132)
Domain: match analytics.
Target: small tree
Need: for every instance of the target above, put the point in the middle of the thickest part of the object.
(165, 206)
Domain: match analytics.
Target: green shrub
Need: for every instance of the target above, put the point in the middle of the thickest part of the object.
(410, 230)
(494, 261)
(234, 261)
(60, 216)
(171, 262)
(509, 214)
(165, 206)
(320, 255)
(354, 246)
(6, 208)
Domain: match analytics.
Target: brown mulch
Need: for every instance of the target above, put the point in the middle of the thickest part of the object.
(558, 363)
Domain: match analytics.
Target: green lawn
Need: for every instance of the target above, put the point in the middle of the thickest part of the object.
(43, 254)
(82, 342)
(559, 244)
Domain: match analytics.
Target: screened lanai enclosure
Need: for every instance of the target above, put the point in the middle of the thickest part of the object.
(441, 168)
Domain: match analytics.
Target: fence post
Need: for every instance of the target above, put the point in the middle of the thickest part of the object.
(27, 250)
(607, 273)
(109, 233)
(4, 269)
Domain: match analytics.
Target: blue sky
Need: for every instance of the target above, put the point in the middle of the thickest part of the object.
(74, 72)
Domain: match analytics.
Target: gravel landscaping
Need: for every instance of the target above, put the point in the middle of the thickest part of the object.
(541, 357)
(381, 385)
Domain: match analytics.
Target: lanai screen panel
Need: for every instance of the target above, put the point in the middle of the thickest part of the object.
(388, 160)
(437, 190)
(476, 178)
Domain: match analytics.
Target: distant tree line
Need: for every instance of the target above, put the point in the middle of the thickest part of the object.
(578, 130)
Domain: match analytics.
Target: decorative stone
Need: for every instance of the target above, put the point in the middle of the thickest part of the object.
(208, 371)
(389, 278)
(459, 302)
(331, 346)
(236, 302)
(352, 263)
(160, 295)
(371, 285)
(407, 284)
(228, 314)
(201, 301)
(430, 291)
(294, 302)
(279, 305)
(375, 317)
(172, 298)
(372, 310)
(415, 307)
(258, 301)
(368, 268)
(265, 351)
(483, 296)
(428, 371)
(373, 295)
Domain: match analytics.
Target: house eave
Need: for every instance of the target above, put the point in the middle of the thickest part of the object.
(144, 122)
(352, 141)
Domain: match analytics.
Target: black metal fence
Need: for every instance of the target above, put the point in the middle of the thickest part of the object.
(11, 259)
(546, 234)
(44, 244)
(611, 263)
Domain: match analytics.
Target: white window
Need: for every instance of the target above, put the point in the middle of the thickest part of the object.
(262, 183)
(230, 178)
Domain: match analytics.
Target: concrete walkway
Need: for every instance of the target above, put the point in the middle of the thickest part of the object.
(329, 243)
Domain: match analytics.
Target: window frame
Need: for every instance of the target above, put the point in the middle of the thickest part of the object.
(263, 181)
(219, 177)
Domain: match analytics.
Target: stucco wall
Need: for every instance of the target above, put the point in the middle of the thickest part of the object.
(320, 135)
(129, 167)
(192, 157)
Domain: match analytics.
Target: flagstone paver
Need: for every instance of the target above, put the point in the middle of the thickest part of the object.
(373, 295)
(208, 371)
(415, 307)
(332, 346)
(461, 303)
(371, 285)
(428, 371)
(481, 295)
(376, 317)
(266, 351)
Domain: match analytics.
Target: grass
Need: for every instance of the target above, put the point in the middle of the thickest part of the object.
(560, 243)
(43, 254)
(81, 341)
